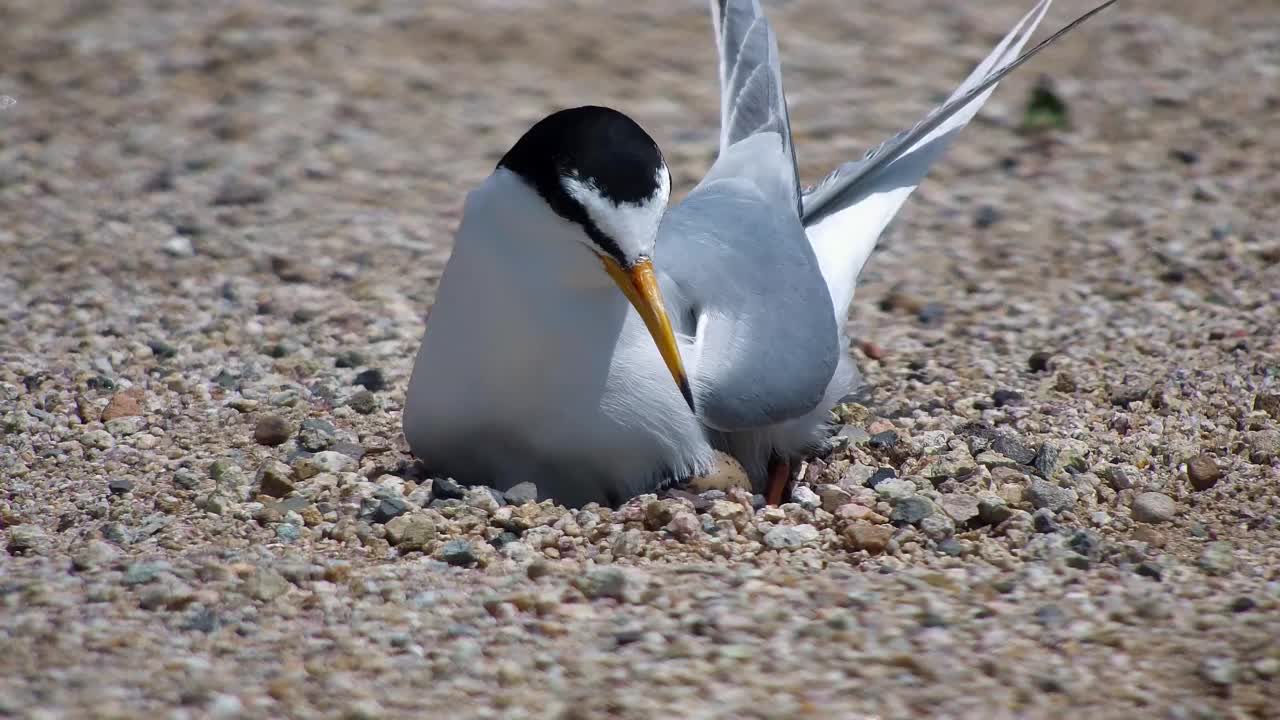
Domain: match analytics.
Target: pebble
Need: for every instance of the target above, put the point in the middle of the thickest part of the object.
(383, 507)
(1264, 446)
(1154, 507)
(316, 435)
(789, 537)
(326, 461)
(288, 532)
(886, 440)
(127, 403)
(959, 507)
(169, 593)
(120, 486)
(993, 510)
(1013, 448)
(605, 582)
(1042, 521)
(275, 479)
(1220, 671)
(521, 494)
(1044, 494)
(1039, 361)
(1121, 477)
(805, 498)
(179, 246)
(833, 497)
(1218, 558)
(363, 402)
(911, 509)
(238, 189)
(448, 489)
(1268, 403)
(482, 498)
(937, 527)
(94, 555)
(955, 464)
(460, 553)
(1046, 461)
(865, 536)
(271, 430)
(265, 584)
(1002, 398)
(1203, 472)
(684, 526)
(372, 380)
(27, 540)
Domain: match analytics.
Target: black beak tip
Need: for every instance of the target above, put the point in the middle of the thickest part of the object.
(687, 392)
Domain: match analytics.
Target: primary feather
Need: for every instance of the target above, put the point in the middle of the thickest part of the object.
(846, 213)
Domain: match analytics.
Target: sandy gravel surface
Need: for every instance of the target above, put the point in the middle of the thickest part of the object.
(222, 226)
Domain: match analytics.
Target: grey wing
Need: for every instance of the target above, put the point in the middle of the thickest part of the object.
(752, 101)
(845, 186)
(738, 275)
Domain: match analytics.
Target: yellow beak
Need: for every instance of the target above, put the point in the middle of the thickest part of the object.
(641, 287)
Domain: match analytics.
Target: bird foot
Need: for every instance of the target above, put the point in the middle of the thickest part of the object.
(779, 483)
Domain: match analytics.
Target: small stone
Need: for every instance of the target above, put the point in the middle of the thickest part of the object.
(326, 461)
(288, 532)
(604, 582)
(895, 488)
(872, 538)
(684, 526)
(727, 473)
(179, 246)
(448, 489)
(886, 440)
(957, 464)
(372, 380)
(363, 402)
(1267, 667)
(98, 440)
(854, 512)
(271, 430)
(1264, 446)
(1203, 472)
(1268, 403)
(1218, 558)
(805, 498)
(27, 540)
(880, 475)
(910, 509)
(316, 435)
(168, 594)
(1042, 521)
(241, 190)
(1046, 461)
(1002, 398)
(789, 537)
(1065, 382)
(482, 498)
(265, 584)
(1121, 477)
(521, 494)
(959, 507)
(120, 486)
(383, 507)
(94, 555)
(1013, 448)
(1244, 603)
(986, 216)
(127, 403)
(1044, 494)
(833, 497)
(1150, 569)
(1220, 671)
(992, 459)
(459, 553)
(937, 527)
(993, 510)
(1039, 361)
(1154, 507)
(275, 479)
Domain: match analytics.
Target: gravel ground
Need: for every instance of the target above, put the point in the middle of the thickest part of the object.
(223, 223)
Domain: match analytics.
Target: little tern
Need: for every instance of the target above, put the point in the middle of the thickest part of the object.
(589, 339)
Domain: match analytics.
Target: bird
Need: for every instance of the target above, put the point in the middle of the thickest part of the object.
(592, 340)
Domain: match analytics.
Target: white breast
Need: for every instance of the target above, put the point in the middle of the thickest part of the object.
(534, 366)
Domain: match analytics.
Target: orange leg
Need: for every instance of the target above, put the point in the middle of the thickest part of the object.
(779, 482)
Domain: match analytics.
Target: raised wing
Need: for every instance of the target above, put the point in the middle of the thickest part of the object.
(846, 213)
(752, 101)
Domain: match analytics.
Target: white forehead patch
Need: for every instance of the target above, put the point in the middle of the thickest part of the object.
(633, 226)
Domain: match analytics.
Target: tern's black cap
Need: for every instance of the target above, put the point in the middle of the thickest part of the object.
(597, 146)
